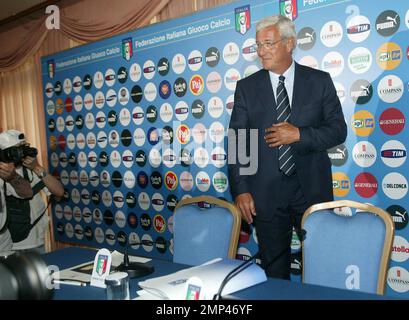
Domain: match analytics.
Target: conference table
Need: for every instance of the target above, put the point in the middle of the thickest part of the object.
(272, 289)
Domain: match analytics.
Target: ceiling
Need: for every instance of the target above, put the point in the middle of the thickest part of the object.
(9, 8)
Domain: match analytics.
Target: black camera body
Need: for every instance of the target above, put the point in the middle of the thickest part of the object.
(17, 153)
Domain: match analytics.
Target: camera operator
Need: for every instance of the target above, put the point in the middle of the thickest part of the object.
(17, 187)
(27, 166)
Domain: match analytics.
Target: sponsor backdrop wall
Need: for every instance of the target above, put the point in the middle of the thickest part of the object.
(138, 121)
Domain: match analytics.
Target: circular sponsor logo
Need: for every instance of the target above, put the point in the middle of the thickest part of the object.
(195, 60)
(400, 249)
(153, 136)
(78, 103)
(67, 213)
(339, 87)
(296, 263)
(214, 82)
(110, 77)
(140, 158)
(102, 139)
(167, 135)
(49, 90)
(390, 88)
(138, 115)
(132, 220)
(147, 237)
(198, 109)
(122, 239)
(309, 61)
(199, 133)
(96, 197)
(171, 202)
(136, 94)
(171, 180)
(151, 114)
(139, 137)
(220, 182)
(363, 123)
(63, 159)
(361, 91)
(249, 50)
(243, 254)
(60, 124)
(134, 239)
(85, 197)
(129, 179)
(111, 99)
(98, 80)
(389, 56)
(398, 279)
(306, 38)
(123, 96)
(117, 179)
(130, 200)
(54, 160)
(387, 23)
(216, 132)
(135, 72)
(333, 63)
(169, 158)
(76, 212)
(122, 75)
(360, 60)
(87, 215)
(99, 235)
(358, 28)
(69, 230)
(53, 142)
(155, 158)
(392, 121)
(89, 121)
(127, 158)
(94, 178)
(103, 159)
(50, 108)
(126, 138)
(340, 184)
(68, 104)
(113, 138)
(230, 79)
(105, 178)
(87, 82)
(118, 199)
(142, 179)
(150, 92)
(218, 157)
(97, 216)
(75, 196)
(212, 57)
(331, 34)
(364, 154)
(215, 107)
(399, 216)
(82, 159)
(165, 89)
(159, 223)
(186, 158)
(395, 185)
(181, 111)
(393, 153)
(196, 85)
(101, 120)
(183, 134)
(179, 63)
(163, 66)
(366, 185)
(115, 158)
(144, 201)
(146, 222)
(156, 180)
(88, 101)
(338, 155)
(110, 237)
(58, 88)
(201, 157)
(166, 112)
(231, 53)
(202, 181)
(158, 202)
(92, 158)
(74, 178)
(149, 69)
(59, 106)
(186, 181)
(80, 140)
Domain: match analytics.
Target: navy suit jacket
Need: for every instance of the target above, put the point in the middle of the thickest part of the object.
(315, 110)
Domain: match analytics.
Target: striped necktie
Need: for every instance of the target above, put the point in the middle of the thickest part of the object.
(286, 160)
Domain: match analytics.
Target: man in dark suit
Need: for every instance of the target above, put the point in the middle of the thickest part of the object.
(298, 116)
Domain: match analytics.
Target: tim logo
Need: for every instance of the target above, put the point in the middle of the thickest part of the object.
(51, 68)
(127, 51)
(243, 19)
(288, 8)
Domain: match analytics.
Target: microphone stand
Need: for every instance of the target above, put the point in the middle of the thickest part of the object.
(241, 267)
(136, 269)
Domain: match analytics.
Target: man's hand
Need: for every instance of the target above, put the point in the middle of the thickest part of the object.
(7, 171)
(281, 134)
(245, 203)
(30, 162)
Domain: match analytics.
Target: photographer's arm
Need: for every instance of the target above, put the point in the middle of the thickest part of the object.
(52, 184)
(21, 186)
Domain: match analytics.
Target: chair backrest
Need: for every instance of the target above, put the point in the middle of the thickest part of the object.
(205, 228)
(348, 249)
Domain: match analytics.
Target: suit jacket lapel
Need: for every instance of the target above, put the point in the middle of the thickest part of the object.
(298, 93)
(267, 95)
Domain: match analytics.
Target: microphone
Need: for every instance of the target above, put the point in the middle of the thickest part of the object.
(137, 269)
(241, 267)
